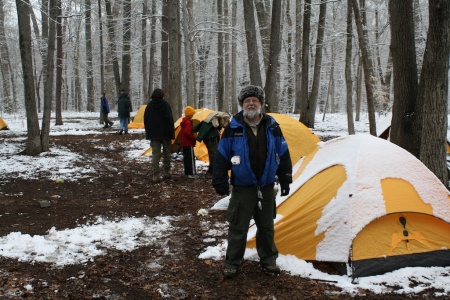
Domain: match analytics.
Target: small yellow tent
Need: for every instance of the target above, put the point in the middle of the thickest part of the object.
(365, 205)
(138, 120)
(300, 139)
(3, 124)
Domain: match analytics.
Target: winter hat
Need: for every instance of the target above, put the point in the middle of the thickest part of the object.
(189, 111)
(251, 91)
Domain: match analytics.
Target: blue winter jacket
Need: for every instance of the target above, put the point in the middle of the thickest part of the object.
(104, 105)
(234, 143)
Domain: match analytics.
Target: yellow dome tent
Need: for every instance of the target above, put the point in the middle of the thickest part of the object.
(366, 206)
(138, 120)
(3, 124)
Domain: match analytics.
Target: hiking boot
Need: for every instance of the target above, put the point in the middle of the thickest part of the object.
(272, 270)
(120, 132)
(230, 273)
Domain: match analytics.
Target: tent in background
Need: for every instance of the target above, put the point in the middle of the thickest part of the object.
(3, 125)
(138, 120)
(365, 205)
(300, 139)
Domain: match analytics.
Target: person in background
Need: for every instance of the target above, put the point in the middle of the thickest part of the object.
(209, 132)
(160, 130)
(104, 111)
(187, 142)
(254, 148)
(124, 109)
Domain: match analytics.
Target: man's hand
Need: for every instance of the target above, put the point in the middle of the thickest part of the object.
(284, 189)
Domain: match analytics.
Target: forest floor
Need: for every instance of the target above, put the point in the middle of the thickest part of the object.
(116, 192)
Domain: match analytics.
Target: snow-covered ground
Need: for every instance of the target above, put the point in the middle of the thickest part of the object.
(58, 246)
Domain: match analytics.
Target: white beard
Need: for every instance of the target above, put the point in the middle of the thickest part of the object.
(252, 113)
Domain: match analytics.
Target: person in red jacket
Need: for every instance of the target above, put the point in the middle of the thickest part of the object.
(187, 142)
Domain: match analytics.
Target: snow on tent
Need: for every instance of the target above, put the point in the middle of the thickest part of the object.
(366, 206)
(3, 125)
(138, 120)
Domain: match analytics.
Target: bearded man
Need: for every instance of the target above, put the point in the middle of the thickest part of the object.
(254, 149)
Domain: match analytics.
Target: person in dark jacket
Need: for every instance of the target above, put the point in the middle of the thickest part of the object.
(124, 109)
(160, 130)
(104, 111)
(254, 149)
(187, 142)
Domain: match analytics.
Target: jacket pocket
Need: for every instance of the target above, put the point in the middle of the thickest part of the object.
(232, 211)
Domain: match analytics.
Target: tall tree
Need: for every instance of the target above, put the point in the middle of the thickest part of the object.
(304, 90)
(174, 95)
(405, 107)
(234, 104)
(126, 46)
(220, 58)
(59, 65)
(112, 45)
(48, 83)
(189, 53)
(89, 66)
(152, 66)
(252, 44)
(145, 96)
(165, 46)
(368, 69)
(298, 58)
(263, 14)
(433, 90)
(308, 114)
(348, 71)
(271, 90)
(7, 84)
(33, 145)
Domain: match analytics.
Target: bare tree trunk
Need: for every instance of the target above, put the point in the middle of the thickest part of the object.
(89, 67)
(5, 66)
(152, 63)
(234, 104)
(112, 45)
(165, 46)
(304, 92)
(272, 100)
(433, 90)
(102, 61)
(59, 65)
(290, 74)
(226, 93)
(367, 63)
(145, 96)
(263, 14)
(48, 83)
(405, 110)
(174, 95)
(348, 71)
(33, 146)
(188, 55)
(252, 45)
(298, 58)
(126, 54)
(309, 114)
(358, 90)
(220, 79)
